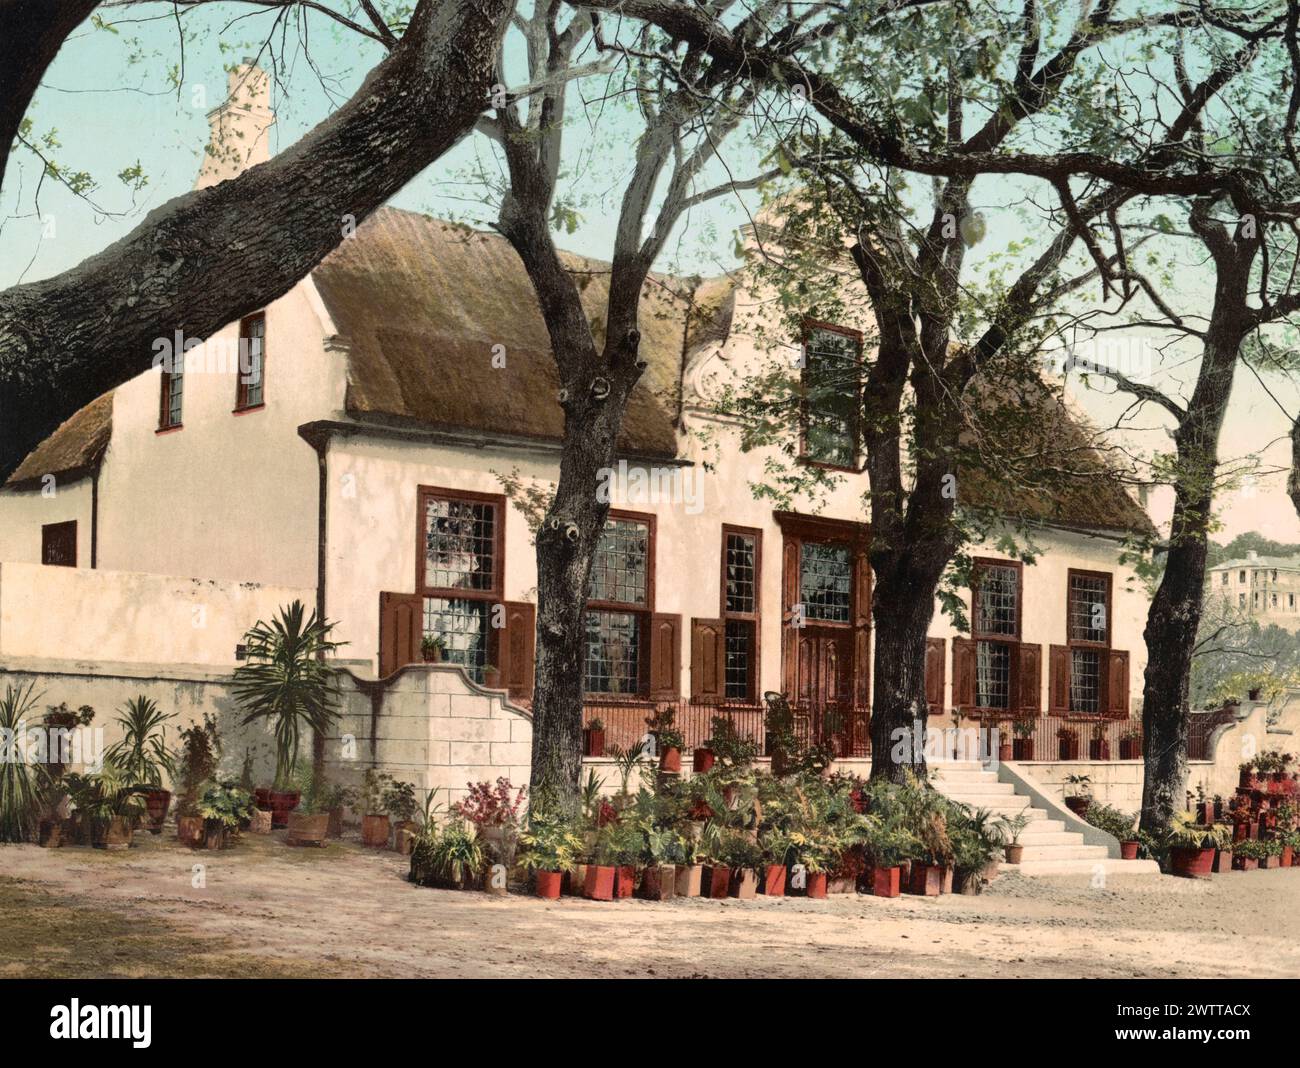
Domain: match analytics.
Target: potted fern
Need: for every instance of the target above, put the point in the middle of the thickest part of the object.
(1192, 846)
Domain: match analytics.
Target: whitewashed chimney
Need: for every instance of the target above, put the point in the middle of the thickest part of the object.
(240, 128)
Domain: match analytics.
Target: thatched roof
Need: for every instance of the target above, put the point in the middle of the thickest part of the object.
(74, 447)
(422, 304)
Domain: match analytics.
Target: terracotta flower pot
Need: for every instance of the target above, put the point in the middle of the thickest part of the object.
(625, 881)
(307, 830)
(1240, 863)
(885, 882)
(113, 833)
(189, 830)
(260, 822)
(702, 760)
(774, 880)
(1288, 856)
(214, 834)
(1014, 853)
(717, 881)
(549, 883)
(575, 883)
(335, 827)
(1006, 751)
(1223, 860)
(1128, 850)
(1272, 861)
(927, 880)
(688, 879)
(670, 759)
(404, 835)
(593, 742)
(600, 882)
(282, 803)
(374, 831)
(744, 884)
(1191, 863)
(1022, 748)
(157, 801)
(658, 882)
(262, 798)
(816, 884)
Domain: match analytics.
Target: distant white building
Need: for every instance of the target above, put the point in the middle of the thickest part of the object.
(1265, 588)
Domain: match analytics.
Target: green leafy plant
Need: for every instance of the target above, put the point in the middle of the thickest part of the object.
(142, 754)
(1185, 834)
(200, 754)
(374, 785)
(729, 745)
(1111, 820)
(19, 780)
(663, 723)
(627, 761)
(1012, 827)
(550, 842)
(287, 682)
(226, 802)
(399, 800)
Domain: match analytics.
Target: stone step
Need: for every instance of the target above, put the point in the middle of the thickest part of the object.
(1031, 837)
(1071, 851)
(965, 775)
(961, 791)
(1145, 869)
(1008, 805)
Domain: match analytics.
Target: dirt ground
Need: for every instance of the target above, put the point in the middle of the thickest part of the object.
(267, 909)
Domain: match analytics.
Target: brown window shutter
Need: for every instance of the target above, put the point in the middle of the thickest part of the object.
(401, 626)
(936, 657)
(1058, 679)
(1029, 690)
(708, 660)
(963, 673)
(665, 657)
(1117, 682)
(515, 648)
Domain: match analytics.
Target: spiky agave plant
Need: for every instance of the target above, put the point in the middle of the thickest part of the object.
(19, 780)
(287, 681)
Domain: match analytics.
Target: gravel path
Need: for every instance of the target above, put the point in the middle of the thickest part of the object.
(267, 908)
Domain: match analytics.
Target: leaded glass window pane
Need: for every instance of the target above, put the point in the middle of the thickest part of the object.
(613, 659)
(459, 544)
(997, 607)
(825, 581)
(741, 579)
(992, 675)
(831, 380)
(620, 566)
(1085, 680)
(463, 628)
(1087, 608)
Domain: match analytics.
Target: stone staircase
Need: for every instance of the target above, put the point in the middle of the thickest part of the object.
(1050, 848)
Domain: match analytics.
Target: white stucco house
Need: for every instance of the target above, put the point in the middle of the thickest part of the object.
(360, 457)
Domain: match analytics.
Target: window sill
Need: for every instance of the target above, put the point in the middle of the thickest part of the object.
(248, 408)
(852, 469)
(169, 429)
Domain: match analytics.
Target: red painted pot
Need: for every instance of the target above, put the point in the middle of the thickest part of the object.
(1191, 863)
(1222, 860)
(1022, 748)
(1240, 863)
(1005, 752)
(549, 883)
(1288, 856)
(817, 884)
(262, 798)
(774, 880)
(594, 742)
(670, 759)
(717, 881)
(885, 882)
(1068, 748)
(1128, 851)
(282, 803)
(600, 882)
(702, 760)
(1099, 749)
(1128, 749)
(624, 881)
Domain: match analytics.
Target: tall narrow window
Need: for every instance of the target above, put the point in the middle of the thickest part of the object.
(619, 601)
(1088, 633)
(250, 391)
(460, 572)
(995, 627)
(173, 392)
(825, 581)
(832, 395)
(741, 568)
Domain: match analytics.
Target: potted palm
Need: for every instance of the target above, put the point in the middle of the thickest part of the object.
(143, 756)
(550, 849)
(1192, 846)
(1078, 794)
(432, 649)
(108, 805)
(286, 682)
(777, 851)
(1012, 828)
(450, 857)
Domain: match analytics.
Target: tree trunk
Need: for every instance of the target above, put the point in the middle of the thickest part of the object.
(1293, 482)
(1175, 614)
(566, 545)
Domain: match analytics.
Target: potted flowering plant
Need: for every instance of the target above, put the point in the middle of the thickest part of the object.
(400, 805)
(492, 809)
(593, 738)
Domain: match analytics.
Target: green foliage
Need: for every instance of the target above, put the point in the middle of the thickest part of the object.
(450, 857)
(1119, 824)
(399, 800)
(226, 803)
(142, 754)
(200, 754)
(286, 681)
(19, 780)
(1184, 833)
(550, 842)
(732, 748)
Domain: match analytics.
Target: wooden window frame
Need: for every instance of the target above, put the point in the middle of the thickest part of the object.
(1013, 641)
(241, 387)
(50, 531)
(753, 618)
(1070, 640)
(643, 612)
(165, 425)
(856, 467)
(497, 592)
